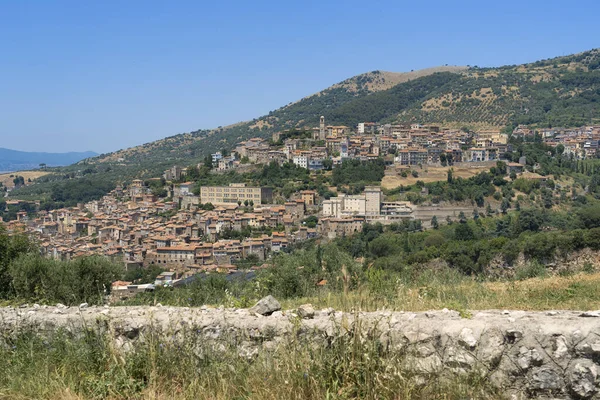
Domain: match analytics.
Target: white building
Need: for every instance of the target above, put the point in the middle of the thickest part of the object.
(301, 161)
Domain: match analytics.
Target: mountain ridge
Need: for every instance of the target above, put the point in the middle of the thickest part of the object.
(15, 160)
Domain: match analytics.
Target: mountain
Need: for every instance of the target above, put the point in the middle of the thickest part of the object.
(562, 91)
(13, 160)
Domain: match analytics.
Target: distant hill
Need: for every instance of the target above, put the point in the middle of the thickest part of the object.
(13, 160)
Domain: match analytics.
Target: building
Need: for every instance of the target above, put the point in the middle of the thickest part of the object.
(373, 200)
(235, 192)
(308, 197)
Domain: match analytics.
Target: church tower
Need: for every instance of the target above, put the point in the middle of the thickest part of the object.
(322, 128)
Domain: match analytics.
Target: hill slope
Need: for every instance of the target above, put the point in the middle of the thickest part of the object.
(563, 91)
(13, 160)
(304, 112)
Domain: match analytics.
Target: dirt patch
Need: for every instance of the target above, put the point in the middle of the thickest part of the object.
(7, 178)
(393, 179)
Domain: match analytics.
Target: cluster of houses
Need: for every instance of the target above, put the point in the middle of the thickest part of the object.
(185, 238)
(131, 226)
(580, 143)
(400, 144)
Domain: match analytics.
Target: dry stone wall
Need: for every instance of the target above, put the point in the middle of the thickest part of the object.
(552, 354)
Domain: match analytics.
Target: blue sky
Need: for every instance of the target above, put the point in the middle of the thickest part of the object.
(104, 75)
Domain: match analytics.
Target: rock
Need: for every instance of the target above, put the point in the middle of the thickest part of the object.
(546, 378)
(36, 306)
(466, 339)
(416, 337)
(306, 311)
(423, 366)
(590, 314)
(583, 378)
(552, 313)
(83, 306)
(328, 311)
(560, 347)
(528, 358)
(266, 306)
(513, 335)
(459, 359)
(60, 305)
(277, 314)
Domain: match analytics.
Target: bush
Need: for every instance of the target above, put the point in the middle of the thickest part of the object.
(533, 269)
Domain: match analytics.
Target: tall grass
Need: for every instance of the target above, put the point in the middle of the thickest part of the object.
(451, 290)
(63, 366)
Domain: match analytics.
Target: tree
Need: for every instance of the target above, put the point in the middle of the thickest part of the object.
(475, 214)
(208, 162)
(328, 164)
(434, 222)
(463, 232)
(443, 159)
(488, 210)
(462, 217)
(450, 177)
(504, 206)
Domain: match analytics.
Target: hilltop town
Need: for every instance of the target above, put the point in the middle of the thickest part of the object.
(185, 229)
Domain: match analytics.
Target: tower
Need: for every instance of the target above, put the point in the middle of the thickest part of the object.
(322, 128)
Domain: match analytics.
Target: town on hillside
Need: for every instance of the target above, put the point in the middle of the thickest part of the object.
(190, 230)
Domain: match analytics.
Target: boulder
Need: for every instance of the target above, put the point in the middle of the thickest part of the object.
(266, 306)
(306, 311)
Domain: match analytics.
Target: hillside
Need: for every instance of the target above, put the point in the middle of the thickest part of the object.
(13, 160)
(304, 112)
(563, 91)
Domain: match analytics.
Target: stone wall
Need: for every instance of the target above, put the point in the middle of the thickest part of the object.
(553, 354)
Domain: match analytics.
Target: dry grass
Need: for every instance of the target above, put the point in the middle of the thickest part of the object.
(7, 181)
(430, 174)
(577, 292)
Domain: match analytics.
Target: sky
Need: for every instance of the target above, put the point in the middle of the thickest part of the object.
(105, 75)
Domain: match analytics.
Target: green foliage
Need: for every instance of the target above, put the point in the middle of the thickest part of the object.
(71, 282)
(533, 269)
(354, 171)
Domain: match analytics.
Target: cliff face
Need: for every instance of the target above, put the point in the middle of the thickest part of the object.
(523, 354)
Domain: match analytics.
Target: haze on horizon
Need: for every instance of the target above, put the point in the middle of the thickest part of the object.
(108, 75)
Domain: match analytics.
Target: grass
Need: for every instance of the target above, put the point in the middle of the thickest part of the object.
(88, 366)
(7, 180)
(183, 365)
(575, 292)
(429, 174)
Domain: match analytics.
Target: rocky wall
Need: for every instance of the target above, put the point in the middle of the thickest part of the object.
(552, 354)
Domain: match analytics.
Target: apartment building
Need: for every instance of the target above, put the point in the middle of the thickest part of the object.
(235, 192)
